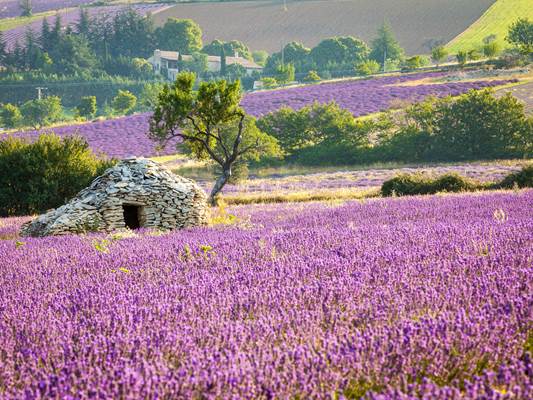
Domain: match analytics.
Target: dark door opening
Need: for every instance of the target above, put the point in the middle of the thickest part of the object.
(131, 216)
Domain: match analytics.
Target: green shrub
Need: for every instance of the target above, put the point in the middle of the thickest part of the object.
(124, 102)
(87, 107)
(520, 179)
(312, 76)
(368, 67)
(44, 174)
(42, 112)
(10, 116)
(414, 184)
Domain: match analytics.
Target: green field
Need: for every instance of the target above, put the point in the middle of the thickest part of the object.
(495, 20)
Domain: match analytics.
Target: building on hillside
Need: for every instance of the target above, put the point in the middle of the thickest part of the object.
(169, 61)
(135, 193)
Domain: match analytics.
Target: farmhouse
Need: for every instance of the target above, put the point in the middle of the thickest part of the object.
(168, 62)
(135, 193)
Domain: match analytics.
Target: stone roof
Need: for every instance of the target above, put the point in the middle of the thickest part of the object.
(159, 199)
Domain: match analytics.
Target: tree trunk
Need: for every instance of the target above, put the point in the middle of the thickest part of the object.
(219, 184)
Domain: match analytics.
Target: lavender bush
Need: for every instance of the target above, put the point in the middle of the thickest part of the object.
(128, 136)
(391, 299)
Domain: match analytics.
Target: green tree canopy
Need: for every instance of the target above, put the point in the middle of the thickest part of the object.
(124, 102)
(230, 49)
(293, 52)
(386, 47)
(211, 123)
(339, 50)
(439, 54)
(521, 35)
(87, 107)
(43, 112)
(183, 35)
(10, 116)
(133, 35)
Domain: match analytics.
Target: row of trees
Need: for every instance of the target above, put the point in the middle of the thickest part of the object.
(43, 112)
(342, 53)
(473, 126)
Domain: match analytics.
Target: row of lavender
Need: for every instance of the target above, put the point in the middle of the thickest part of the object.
(11, 8)
(420, 297)
(364, 178)
(71, 17)
(128, 136)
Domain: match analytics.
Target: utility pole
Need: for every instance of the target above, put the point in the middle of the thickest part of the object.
(282, 54)
(40, 92)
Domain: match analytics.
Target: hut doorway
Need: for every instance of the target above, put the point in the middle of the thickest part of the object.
(132, 215)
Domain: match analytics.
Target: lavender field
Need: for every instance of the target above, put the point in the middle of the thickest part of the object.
(128, 136)
(393, 299)
(11, 8)
(71, 17)
(363, 178)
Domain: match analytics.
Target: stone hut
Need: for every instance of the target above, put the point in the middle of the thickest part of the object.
(135, 193)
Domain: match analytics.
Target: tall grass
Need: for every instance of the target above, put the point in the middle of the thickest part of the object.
(495, 21)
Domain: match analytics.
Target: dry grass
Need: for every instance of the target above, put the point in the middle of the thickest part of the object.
(303, 196)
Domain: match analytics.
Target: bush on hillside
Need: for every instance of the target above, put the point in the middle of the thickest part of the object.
(10, 116)
(415, 184)
(87, 107)
(42, 112)
(124, 102)
(368, 67)
(44, 174)
(312, 76)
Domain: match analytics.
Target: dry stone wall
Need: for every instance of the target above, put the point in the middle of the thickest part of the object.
(136, 192)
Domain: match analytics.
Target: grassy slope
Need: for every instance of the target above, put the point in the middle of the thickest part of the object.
(495, 20)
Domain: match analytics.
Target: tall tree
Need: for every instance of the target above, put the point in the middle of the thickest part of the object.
(521, 35)
(34, 57)
(439, 54)
(386, 47)
(329, 50)
(133, 34)
(26, 7)
(45, 35)
(211, 124)
(84, 22)
(73, 55)
(222, 62)
(183, 35)
(3, 49)
(356, 50)
(57, 32)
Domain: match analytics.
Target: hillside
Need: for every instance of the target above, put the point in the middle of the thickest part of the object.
(11, 8)
(495, 21)
(266, 25)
